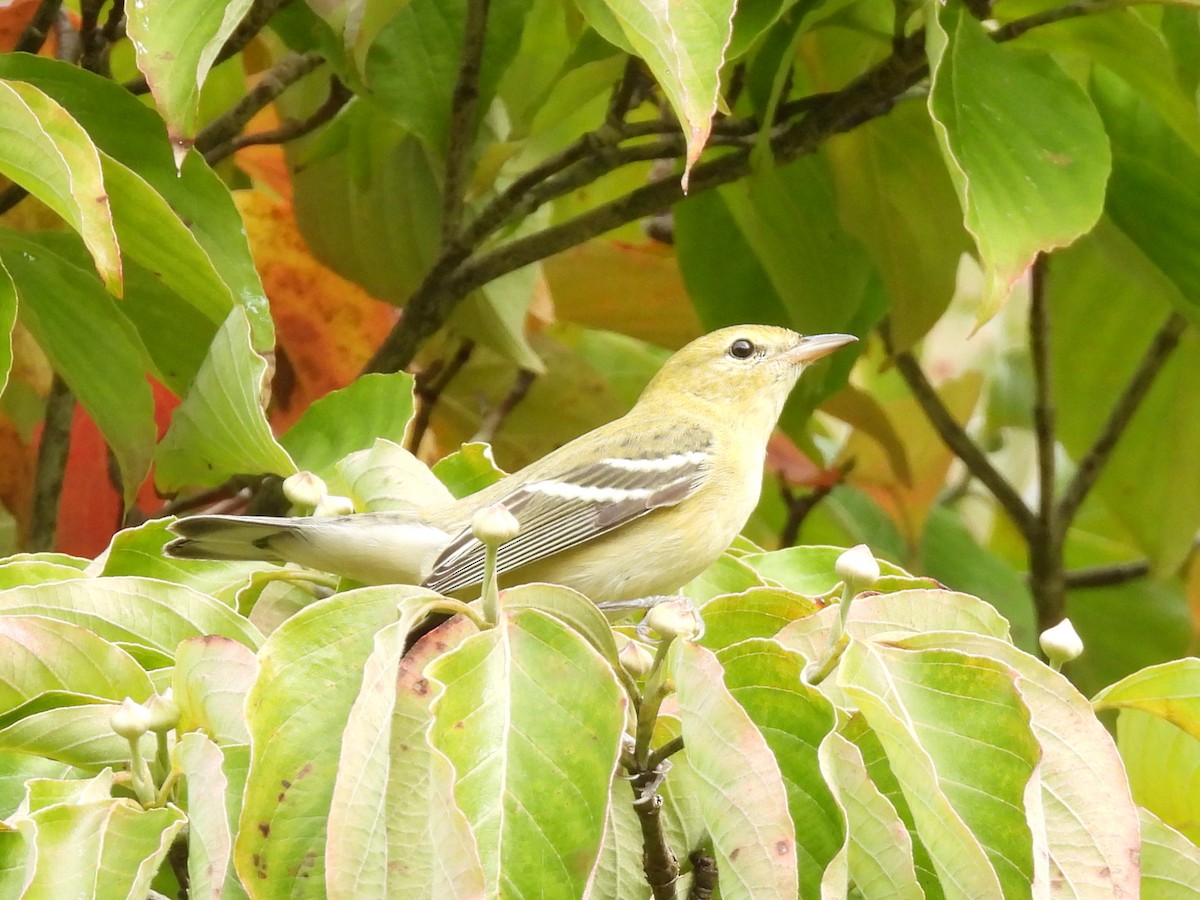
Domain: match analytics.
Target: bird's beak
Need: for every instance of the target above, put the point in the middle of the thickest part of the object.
(817, 345)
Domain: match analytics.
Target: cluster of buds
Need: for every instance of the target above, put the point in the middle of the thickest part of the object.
(308, 492)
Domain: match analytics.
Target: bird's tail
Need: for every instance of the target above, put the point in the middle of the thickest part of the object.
(228, 537)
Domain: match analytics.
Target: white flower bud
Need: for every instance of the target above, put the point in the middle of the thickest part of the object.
(858, 568)
(304, 489)
(636, 658)
(494, 525)
(1061, 644)
(164, 712)
(130, 720)
(333, 505)
(675, 618)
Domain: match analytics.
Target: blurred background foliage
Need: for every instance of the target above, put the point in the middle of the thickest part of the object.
(214, 205)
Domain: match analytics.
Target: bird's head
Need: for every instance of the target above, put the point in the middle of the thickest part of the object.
(743, 366)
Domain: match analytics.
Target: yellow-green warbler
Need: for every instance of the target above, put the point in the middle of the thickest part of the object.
(637, 507)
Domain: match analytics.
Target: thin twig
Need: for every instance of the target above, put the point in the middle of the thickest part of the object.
(462, 118)
(496, 416)
(798, 507)
(11, 196)
(957, 439)
(53, 449)
(428, 388)
(38, 29)
(91, 36)
(1114, 574)
(273, 82)
(69, 46)
(658, 862)
(339, 96)
(1043, 403)
(704, 876)
(1093, 462)
(665, 752)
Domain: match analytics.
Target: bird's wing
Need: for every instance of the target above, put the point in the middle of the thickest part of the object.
(561, 512)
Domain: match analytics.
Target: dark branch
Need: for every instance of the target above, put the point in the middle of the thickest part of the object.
(429, 387)
(274, 82)
(799, 506)
(658, 862)
(38, 29)
(339, 96)
(1123, 410)
(704, 876)
(954, 437)
(1043, 403)
(1114, 574)
(463, 104)
(496, 417)
(52, 454)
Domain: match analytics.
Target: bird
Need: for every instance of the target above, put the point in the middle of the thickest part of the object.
(637, 507)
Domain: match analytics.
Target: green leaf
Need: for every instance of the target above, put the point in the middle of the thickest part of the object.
(510, 696)
(429, 839)
(16, 769)
(1095, 356)
(468, 469)
(359, 852)
(571, 608)
(958, 738)
(139, 551)
(1163, 762)
(807, 569)
(1170, 862)
(14, 572)
(43, 149)
(388, 477)
(1152, 194)
(757, 612)
(1024, 145)
(413, 65)
(177, 42)
(104, 848)
(1091, 824)
(619, 869)
(38, 654)
(220, 429)
(344, 421)
(880, 854)
(1170, 691)
(728, 575)
(794, 718)
(893, 194)
(215, 777)
(91, 344)
(310, 671)
(741, 790)
(683, 45)
(71, 728)
(129, 131)
(128, 609)
(211, 678)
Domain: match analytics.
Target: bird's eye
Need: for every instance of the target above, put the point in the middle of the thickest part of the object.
(741, 349)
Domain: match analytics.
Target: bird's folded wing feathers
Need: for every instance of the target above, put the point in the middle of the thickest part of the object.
(556, 514)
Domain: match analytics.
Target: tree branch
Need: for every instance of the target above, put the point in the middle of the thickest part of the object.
(1114, 574)
(428, 387)
(1043, 403)
(495, 417)
(339, 96)
(1093, 462)
(38, 29)
(954, 437)
(462, 118)
(53, 449)
(658, 862)
(275, 81)
(704, 876)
